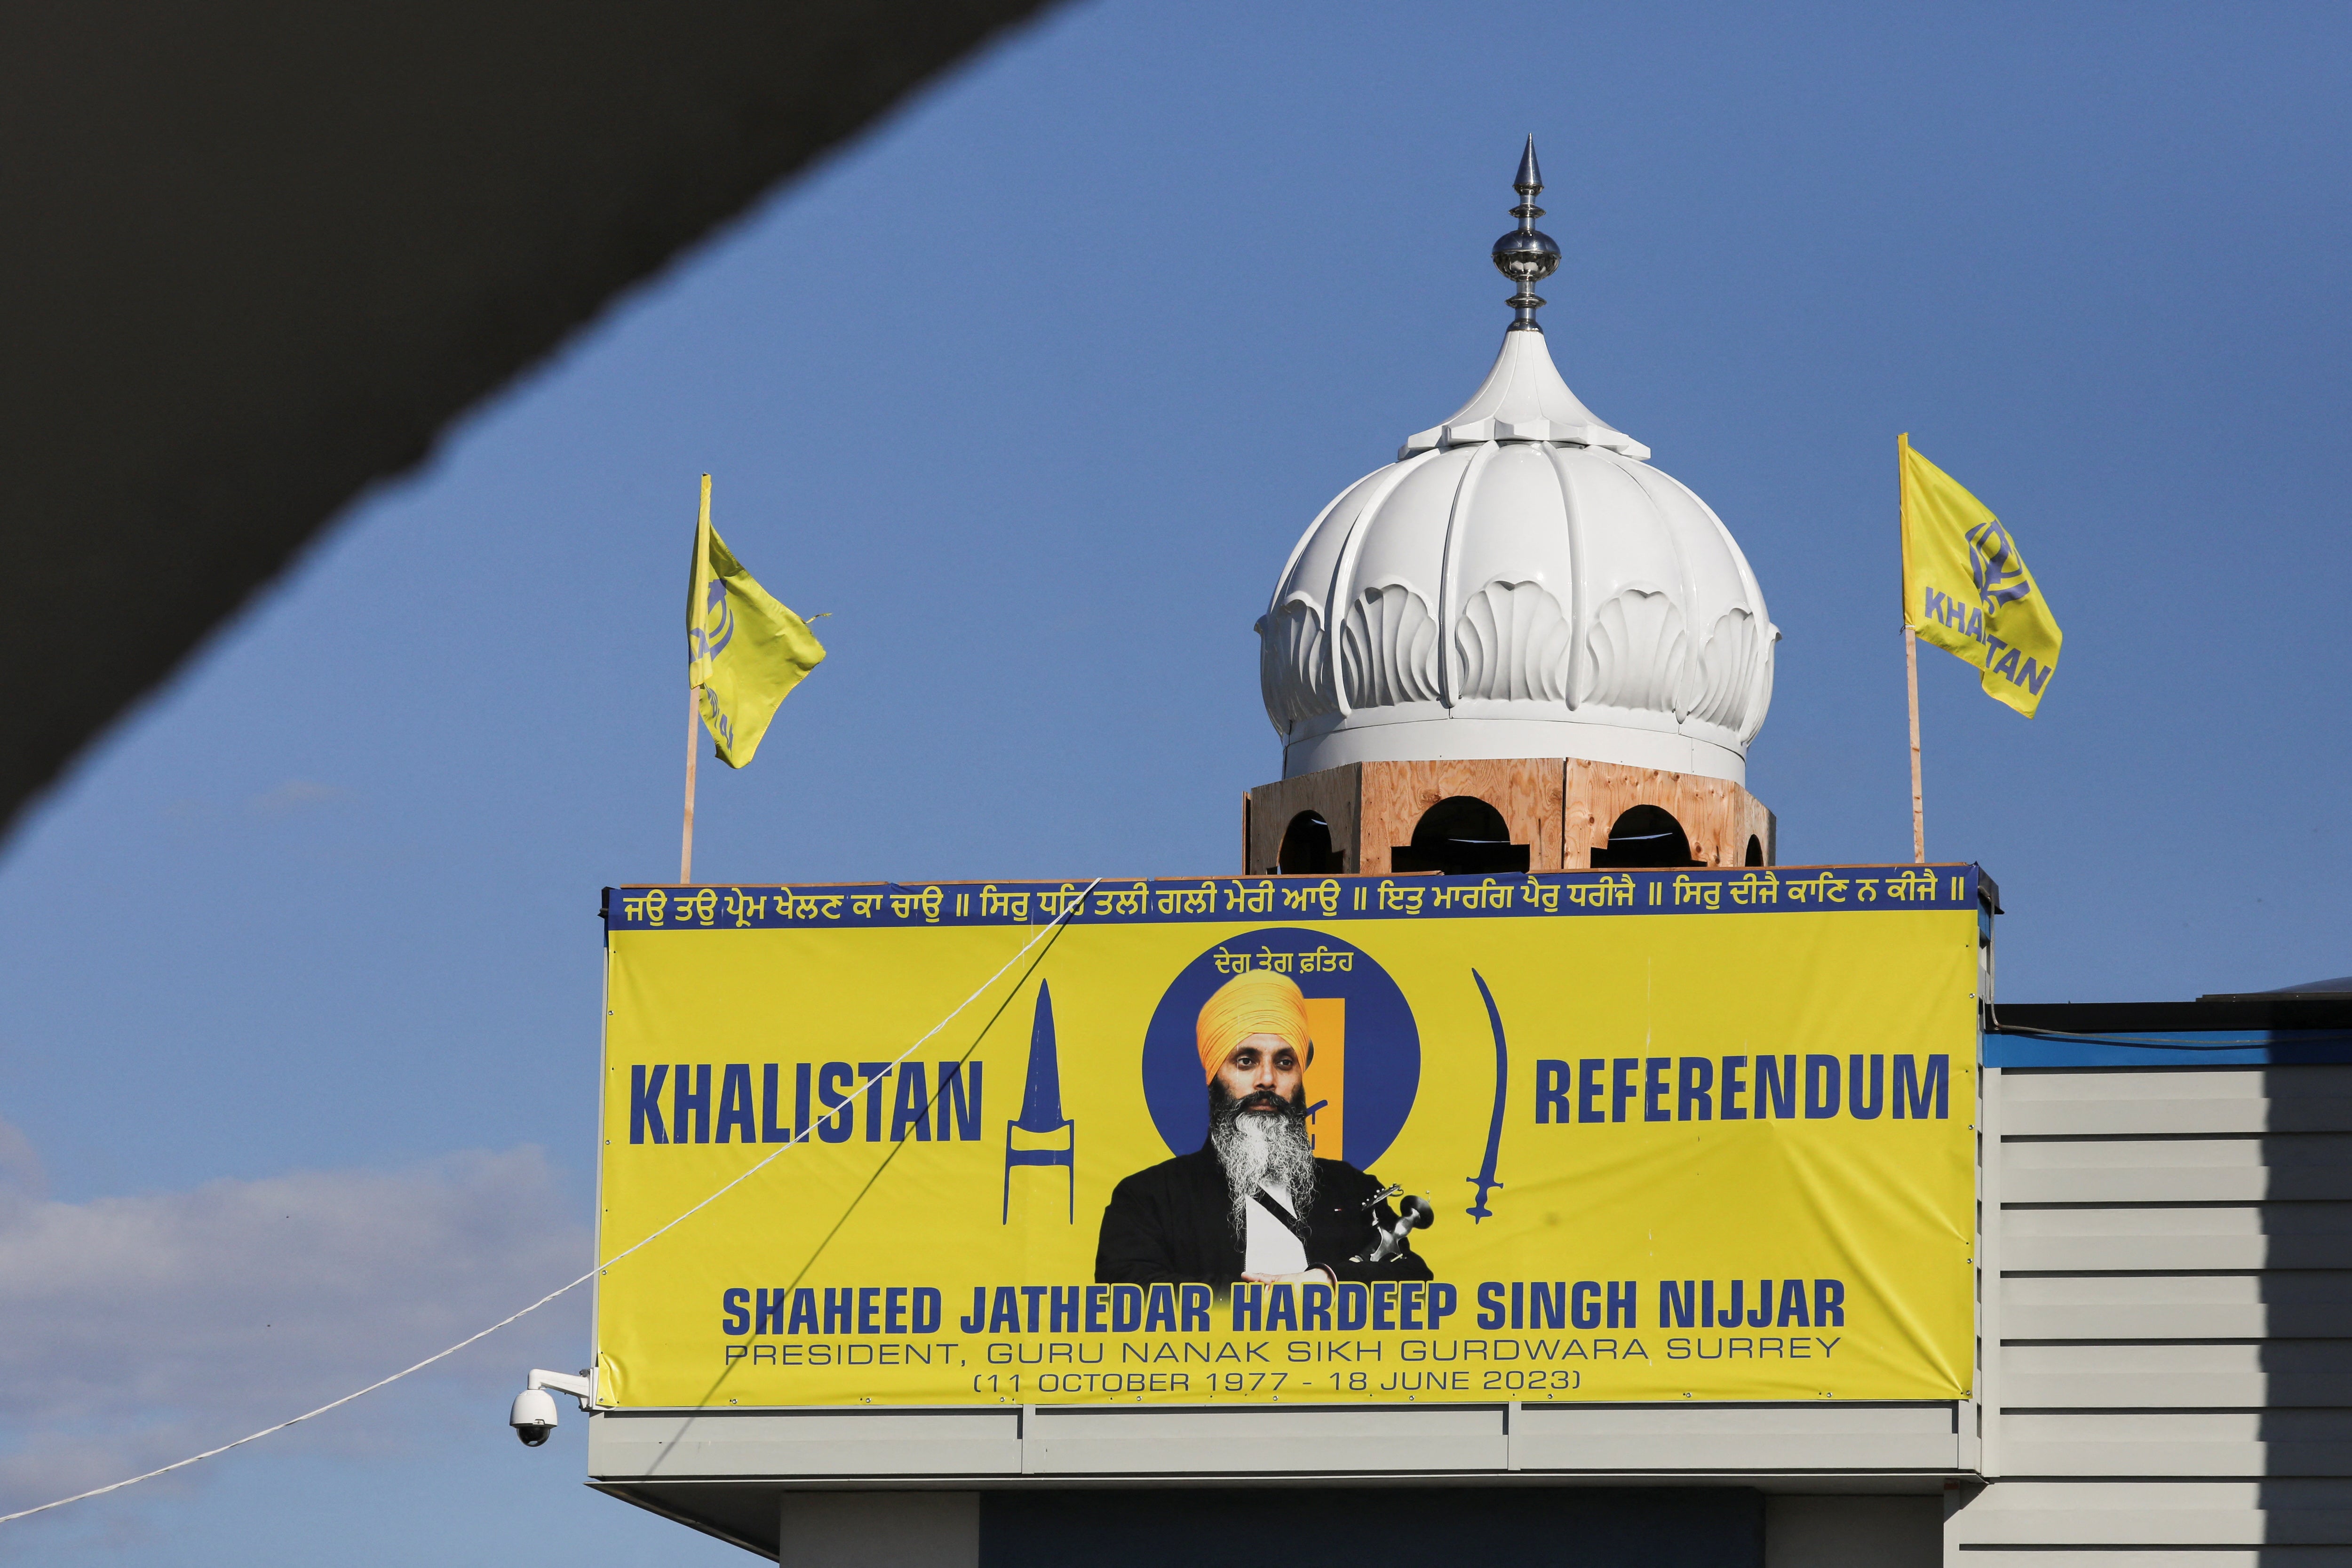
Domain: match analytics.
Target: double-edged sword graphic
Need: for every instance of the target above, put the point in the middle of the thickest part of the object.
(1485, 1180)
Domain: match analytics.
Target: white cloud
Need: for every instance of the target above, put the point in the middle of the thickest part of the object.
(134, 1330)
(20, 1169)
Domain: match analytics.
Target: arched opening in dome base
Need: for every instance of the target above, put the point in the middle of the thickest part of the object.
(1645, 835)
(1306, 848)
(1461, 836)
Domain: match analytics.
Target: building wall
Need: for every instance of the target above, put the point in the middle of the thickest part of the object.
(1813, 1530)
(2168, 1318)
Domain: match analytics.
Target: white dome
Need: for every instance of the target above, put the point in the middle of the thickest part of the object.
(1519, 583)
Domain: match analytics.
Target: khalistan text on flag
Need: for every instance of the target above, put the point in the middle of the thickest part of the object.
(1967, 590)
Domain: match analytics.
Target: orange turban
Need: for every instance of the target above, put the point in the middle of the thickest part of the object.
(1255, 1002)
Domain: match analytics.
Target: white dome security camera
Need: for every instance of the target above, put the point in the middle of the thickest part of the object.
(533, 1417)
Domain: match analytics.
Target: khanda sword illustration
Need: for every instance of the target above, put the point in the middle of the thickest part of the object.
(1485, 1180)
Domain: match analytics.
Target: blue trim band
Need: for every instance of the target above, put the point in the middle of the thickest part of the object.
(2168, 1048)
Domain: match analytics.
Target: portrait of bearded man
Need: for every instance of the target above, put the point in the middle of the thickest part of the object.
(1253, 1203)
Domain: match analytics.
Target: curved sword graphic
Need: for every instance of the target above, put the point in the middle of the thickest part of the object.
(1484, 1180)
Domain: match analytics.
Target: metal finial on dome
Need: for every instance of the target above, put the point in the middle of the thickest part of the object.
(1527, 255)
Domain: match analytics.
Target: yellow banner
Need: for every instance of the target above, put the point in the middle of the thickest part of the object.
(1685, 1136)
(1967, 590)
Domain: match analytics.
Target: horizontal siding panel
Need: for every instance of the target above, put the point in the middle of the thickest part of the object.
(890, 1457)
(2184, 1458)
(2028, 1087)
(2166, 1321)
(2287, 1372)
(667, 1448)
(2304, 1249)
(2172, 1116)
(2194, 1390)
(2044, 1497)
(2141, 1184)
(2254, 1235)
(2227, 1100)
(2320, 1221)
(2157, 1514)
(1734, 1437)
(2185, 1425)
(1796, 1423)
(1186, 1453)
(2198, 1443)
(1221, 1442)
(2022, 1254)
(2286, 1085)
(2282, 1494)
(2136, 1307)
(2156, 1525)
(2135, 1118)
(1715, 1453)
(2311, 1081)
(2298, 1359)
(2329, 1286)
(2194, 1170)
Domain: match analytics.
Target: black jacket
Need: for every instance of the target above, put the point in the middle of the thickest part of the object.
(1174, 1222)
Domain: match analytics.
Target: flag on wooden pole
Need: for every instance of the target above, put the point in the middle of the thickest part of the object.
(745, 651)
(1966, 588)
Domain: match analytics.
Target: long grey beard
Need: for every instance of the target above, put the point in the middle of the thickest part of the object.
(1257, 1150)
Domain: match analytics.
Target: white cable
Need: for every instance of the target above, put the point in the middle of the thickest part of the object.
(1043, 931)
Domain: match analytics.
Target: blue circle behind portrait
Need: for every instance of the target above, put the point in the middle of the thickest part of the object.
(1378, 1066)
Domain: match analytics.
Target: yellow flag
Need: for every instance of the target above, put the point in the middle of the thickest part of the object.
(1966, 588)
(745, 650)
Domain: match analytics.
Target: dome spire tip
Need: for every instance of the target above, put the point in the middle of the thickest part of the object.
(1527, 255)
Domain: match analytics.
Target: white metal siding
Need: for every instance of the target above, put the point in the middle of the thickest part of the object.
(2168, 1319)
(1916, 1445)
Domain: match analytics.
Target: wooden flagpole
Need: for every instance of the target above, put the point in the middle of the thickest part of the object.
(694, 746)
(1918, 811)
(1910, 656)
(695, 617)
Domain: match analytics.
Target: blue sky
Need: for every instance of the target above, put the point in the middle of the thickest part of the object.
(1033, 388)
